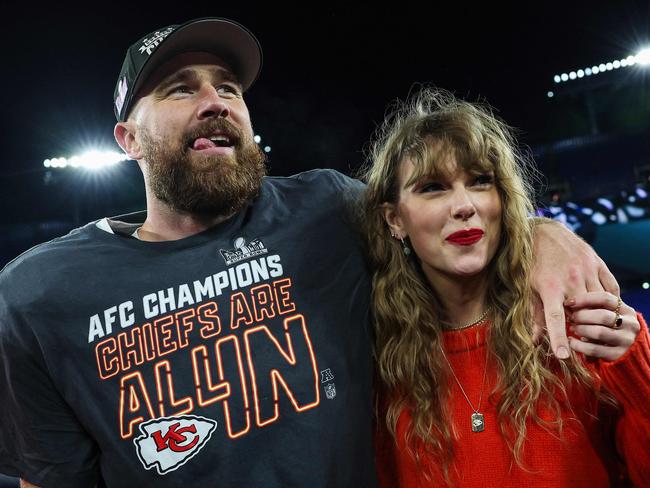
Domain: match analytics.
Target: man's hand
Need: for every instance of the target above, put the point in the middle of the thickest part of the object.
(607, 327)
(564, 266)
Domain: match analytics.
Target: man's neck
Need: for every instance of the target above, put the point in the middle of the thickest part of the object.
(165, 224)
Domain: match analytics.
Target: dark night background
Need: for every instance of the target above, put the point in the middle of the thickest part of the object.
(330, 69)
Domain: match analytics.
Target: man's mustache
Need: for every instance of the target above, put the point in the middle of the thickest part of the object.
(210, 127)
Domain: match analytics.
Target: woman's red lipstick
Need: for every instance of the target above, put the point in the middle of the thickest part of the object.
(466, 237)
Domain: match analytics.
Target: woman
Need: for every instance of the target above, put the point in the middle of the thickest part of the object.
(465, 397)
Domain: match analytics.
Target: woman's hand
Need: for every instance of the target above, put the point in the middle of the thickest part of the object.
(606, 326)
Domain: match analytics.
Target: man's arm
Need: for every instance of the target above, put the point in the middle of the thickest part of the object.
(25, 484)
(564, 266)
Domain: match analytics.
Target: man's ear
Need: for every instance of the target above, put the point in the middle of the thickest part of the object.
(124, 133)
(393, 219)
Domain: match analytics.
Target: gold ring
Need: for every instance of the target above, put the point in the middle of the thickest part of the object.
(618, 320)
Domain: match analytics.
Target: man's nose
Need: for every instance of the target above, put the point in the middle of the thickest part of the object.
(212, 105)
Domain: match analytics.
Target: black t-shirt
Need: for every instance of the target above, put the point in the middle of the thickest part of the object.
(240, 356)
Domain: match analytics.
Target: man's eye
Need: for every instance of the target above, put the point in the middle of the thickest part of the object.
(228, 89)
(179, 89)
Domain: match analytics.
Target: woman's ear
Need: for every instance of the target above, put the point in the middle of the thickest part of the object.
(393, 219)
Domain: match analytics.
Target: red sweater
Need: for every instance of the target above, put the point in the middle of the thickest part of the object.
(587, 455)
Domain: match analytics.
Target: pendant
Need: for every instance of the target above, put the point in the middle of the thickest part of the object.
(478, 424)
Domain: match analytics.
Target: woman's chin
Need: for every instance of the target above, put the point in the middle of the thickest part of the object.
(469, 270)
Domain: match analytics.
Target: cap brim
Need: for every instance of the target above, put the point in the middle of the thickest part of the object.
(229, 40)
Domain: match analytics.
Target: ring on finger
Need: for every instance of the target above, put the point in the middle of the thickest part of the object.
(618, 319)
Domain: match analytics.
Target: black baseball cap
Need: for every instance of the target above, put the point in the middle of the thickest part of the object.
(231, 41)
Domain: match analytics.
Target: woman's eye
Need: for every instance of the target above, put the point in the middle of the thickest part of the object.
(485, 179)
(431, 187)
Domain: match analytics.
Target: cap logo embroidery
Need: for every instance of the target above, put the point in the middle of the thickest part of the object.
(122, 88)
(149, 44)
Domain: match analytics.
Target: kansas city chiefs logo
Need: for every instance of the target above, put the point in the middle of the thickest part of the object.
(167, 443)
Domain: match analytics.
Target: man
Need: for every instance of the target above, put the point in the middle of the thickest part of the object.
(221, 338)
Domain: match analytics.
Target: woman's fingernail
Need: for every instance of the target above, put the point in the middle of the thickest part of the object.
(569, 302)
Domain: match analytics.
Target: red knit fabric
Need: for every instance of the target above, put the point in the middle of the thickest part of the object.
(605, 450)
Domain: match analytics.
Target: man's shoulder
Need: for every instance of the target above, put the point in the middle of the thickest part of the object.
(317, 178)
(42, 257)
(311, 198)
(316, 185)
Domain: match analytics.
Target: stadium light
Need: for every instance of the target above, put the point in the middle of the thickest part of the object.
(91, 160)
(641, 58)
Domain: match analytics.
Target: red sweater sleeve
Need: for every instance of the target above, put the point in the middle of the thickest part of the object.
(628, 378)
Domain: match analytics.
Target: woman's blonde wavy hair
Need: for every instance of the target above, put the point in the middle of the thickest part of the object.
(407, 312)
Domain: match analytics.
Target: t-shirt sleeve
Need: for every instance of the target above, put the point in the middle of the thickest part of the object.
(41, 440)
(385, 453)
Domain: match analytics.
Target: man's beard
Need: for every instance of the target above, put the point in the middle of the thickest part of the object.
(211, 185)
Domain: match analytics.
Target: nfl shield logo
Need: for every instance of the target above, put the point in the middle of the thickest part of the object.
(330, 391)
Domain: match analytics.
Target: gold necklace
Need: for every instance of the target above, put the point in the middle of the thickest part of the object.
(471, 324)
(477, 419)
